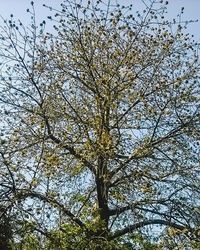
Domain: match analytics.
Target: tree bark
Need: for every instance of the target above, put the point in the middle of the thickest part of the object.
(102, 196)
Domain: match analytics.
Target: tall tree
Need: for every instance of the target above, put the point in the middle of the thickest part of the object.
(100, 128)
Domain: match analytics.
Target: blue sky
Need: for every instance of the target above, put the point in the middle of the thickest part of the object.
(18, 8)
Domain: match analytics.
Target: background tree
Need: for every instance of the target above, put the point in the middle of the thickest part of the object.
(5, 229)
(100, 128)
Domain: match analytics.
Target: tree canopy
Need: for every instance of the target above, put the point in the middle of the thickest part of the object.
(99, 143)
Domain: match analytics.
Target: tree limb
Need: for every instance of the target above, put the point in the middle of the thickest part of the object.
(131, 228)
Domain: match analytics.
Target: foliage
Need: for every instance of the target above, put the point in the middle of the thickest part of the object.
(100, 129)
(5, 229)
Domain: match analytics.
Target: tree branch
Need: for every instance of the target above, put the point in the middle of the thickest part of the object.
(23, 194)
(131, 228)
(71, 149)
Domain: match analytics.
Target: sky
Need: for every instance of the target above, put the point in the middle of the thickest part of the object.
(18, 8)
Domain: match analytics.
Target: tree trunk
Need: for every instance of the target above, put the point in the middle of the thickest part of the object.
(102, 196)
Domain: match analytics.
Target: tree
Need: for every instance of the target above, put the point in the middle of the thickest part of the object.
(5, 229)
(100, 128)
